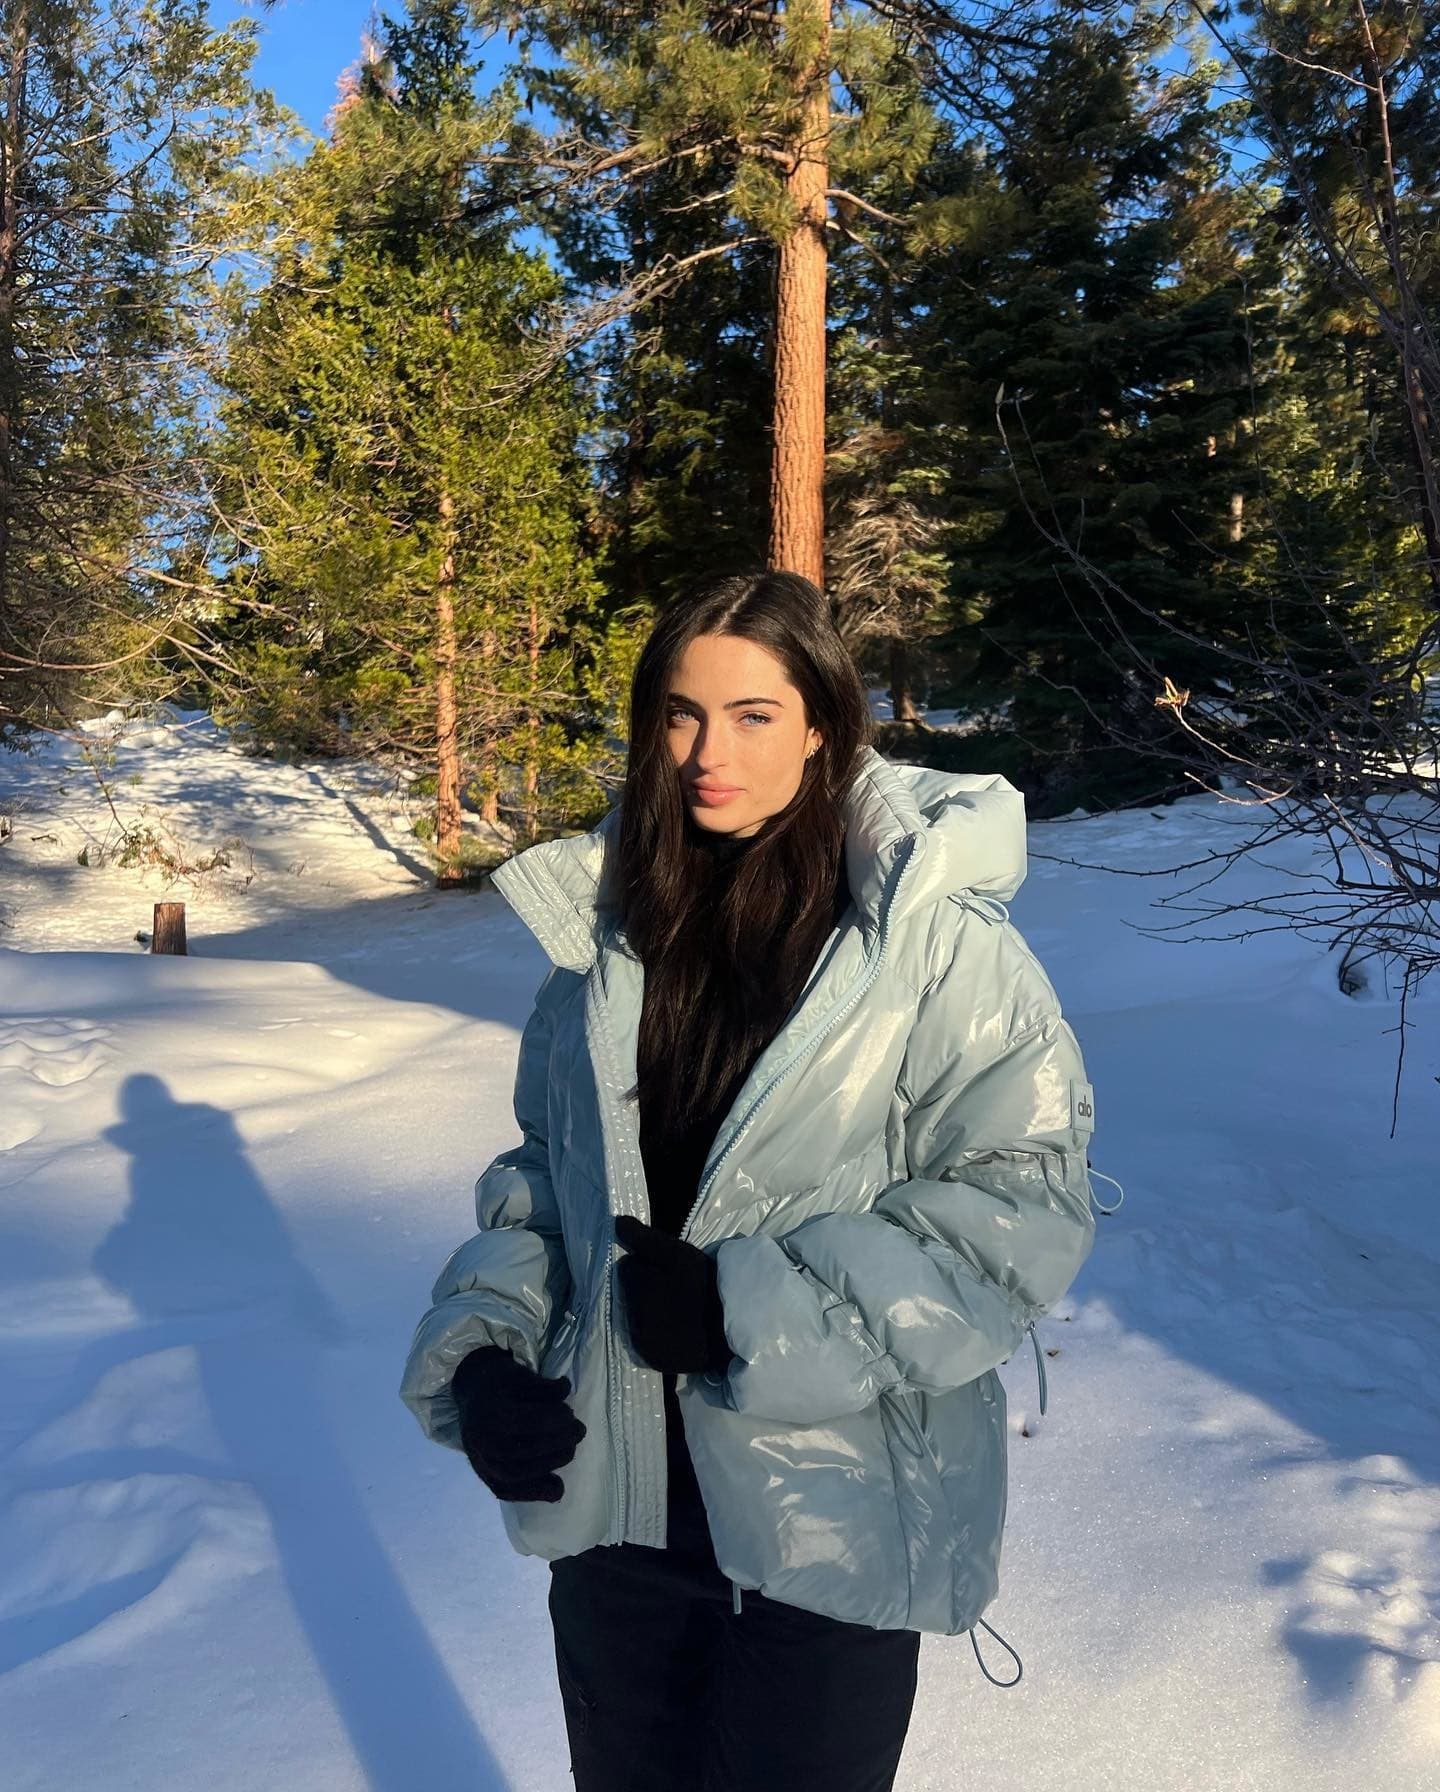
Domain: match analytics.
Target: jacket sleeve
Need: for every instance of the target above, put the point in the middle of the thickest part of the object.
(939, 1280)
(503, 1285)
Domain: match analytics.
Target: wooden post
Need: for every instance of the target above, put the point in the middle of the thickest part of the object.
(169, 930)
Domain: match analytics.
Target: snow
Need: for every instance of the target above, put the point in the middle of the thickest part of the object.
(948, 721)
(229, 1560)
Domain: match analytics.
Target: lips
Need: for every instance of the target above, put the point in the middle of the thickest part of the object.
(709, 795)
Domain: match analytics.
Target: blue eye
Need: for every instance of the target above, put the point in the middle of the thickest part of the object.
(678, 710)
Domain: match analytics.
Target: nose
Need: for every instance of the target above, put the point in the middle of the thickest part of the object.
(708, 750)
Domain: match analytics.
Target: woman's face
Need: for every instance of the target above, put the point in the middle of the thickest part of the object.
(737, 730)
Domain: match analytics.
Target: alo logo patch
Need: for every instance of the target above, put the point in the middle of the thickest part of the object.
(1082, 1106)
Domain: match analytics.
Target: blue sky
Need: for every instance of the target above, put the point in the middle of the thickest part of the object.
(304, 45)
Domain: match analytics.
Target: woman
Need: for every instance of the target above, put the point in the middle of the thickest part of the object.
(803, 1158)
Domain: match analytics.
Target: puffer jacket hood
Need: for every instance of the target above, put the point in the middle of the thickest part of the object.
(898, 1190)
(969, 831)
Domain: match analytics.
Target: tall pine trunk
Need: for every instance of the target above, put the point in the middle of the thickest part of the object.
(532, 754)
(12, 156)
(490, 800)
(1418, 425)
(797, 474)
(447, 752)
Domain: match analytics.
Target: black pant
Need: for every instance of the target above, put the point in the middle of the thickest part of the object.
(667, 1689)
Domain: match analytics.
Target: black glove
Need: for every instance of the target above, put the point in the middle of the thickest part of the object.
(514, 1425)
(672, 1298)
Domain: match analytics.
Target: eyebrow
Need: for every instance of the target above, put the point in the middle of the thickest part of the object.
(736, 703)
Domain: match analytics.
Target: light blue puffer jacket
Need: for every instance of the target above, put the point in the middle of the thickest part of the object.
(898, 1191)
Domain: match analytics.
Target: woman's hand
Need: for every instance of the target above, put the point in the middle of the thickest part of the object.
(672, 1300)
(514, 1425)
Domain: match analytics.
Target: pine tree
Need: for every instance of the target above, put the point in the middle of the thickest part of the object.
(681, 448)
(125, 130)
(1348, 105)
(409, 572)
(1084, 324)
(888, 459)
(742, 99)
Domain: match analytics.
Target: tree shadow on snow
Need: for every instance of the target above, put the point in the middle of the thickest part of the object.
(1283, 1254)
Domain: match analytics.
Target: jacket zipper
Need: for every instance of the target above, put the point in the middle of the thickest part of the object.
(612, 1394)
(907, 848)
(620, 1463)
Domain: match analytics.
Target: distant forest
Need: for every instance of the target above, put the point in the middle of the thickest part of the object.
(1085, 355)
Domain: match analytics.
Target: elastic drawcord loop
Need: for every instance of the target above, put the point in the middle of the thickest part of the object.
(1114, 1184)
(735, 1597)
(1019, 1666)
(1039, 1366)
(990, 906)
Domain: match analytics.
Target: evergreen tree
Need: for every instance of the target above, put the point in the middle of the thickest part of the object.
(888, 455)
(770, 117)
(125, 130)
(681, 447)
(408, 569)
(1084, 324)
(1348, 105)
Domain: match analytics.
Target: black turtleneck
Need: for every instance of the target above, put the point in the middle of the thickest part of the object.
(674, 1157)
(724, 847)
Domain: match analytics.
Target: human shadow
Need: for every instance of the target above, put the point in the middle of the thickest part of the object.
(206, 1259)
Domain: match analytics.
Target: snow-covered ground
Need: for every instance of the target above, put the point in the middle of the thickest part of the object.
(952, 721)
(230, 1562)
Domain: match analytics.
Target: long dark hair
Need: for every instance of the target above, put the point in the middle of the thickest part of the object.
(727, 949)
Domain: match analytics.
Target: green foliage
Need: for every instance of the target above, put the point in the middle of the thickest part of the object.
(404, 492)
(127, 131)
(1058, 315)
(1353, 223)
(1083, 331)
(705, 98)
(142, 847)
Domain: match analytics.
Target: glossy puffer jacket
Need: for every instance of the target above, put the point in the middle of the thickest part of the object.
(898, 1191)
